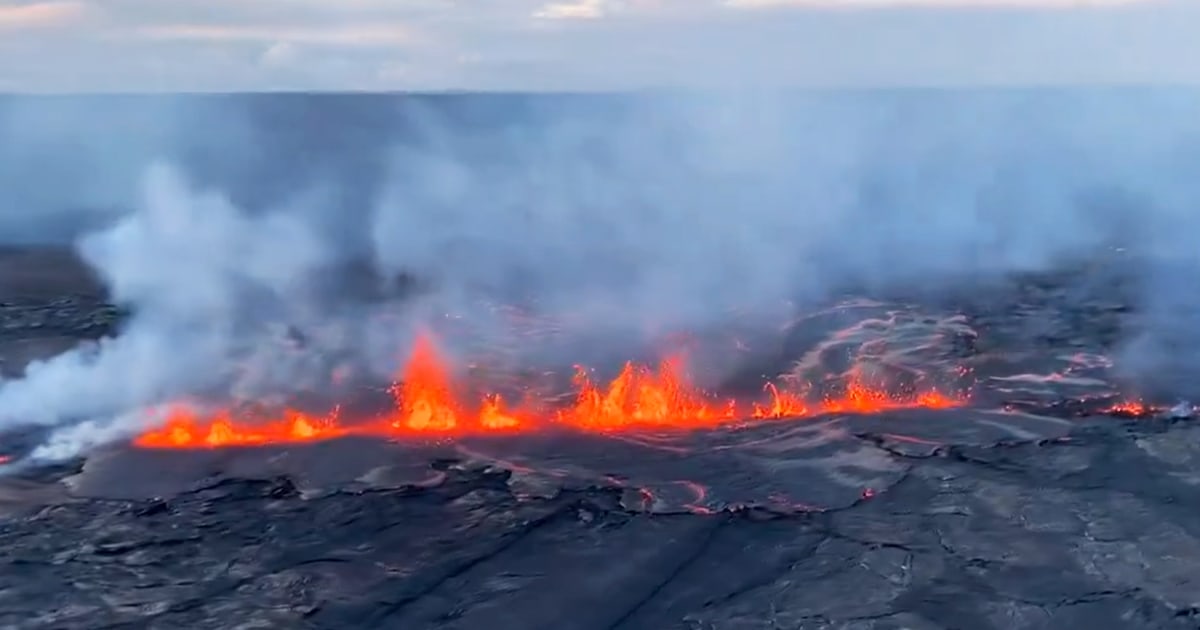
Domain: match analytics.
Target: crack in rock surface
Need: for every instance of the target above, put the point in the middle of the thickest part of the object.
(965, 519)
(1093, 530)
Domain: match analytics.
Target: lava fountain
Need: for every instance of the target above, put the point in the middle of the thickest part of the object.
(427, 403)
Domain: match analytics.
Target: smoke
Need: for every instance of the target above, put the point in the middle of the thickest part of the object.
(200, 275)
(73, 164)
(682, 211)
(621, 219)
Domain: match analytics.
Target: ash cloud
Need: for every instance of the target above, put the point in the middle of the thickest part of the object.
(230, 224)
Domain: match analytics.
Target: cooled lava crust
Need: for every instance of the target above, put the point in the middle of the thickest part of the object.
(1048, 499)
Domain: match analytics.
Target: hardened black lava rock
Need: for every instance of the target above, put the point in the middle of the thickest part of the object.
(1041, 515)
(76, 316)
(1098, 529)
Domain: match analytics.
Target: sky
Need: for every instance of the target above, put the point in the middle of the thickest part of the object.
(219, 45)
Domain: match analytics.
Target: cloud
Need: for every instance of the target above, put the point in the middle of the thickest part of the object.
(280, 54)
(579, 10)
(40, 15)
(944, 4)
(353, 35)
(619, 219)
(221, 45)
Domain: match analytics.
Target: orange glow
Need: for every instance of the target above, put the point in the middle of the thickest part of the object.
(1134, 408)
(782, 405)
(185, 428)
(493, 416)
(427, 403)
(639, 396)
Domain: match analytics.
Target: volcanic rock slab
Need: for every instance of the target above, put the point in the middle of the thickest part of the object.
(49, 300)
(784, 465)
(953, 520)
(1093, 527)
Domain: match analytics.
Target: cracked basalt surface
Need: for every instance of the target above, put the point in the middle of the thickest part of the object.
(49, 301)
(956, 519)
(1097, 528)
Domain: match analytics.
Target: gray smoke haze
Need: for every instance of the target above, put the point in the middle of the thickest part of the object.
(72, 164)
(622, 218)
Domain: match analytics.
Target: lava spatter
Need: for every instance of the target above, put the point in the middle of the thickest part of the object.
(426, 402)
(424, 396)
(781, 405)
(1133, 408)
(639, 396)
(188, 428)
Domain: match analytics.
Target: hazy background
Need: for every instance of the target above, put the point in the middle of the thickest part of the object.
(139, 45)
(621, 217)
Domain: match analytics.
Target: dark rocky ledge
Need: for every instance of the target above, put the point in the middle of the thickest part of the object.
(76, 316)
(1056, 516)
(1094, 529)
(49, 301)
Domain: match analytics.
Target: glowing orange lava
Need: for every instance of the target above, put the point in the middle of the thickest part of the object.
(639, 396)
(1135, 408)
(426, 402)
(185, 428)
(783, 404)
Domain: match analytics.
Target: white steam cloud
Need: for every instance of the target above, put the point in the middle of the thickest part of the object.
(193, 266)
(625, 218)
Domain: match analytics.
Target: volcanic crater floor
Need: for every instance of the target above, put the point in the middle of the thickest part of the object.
(1018, 511)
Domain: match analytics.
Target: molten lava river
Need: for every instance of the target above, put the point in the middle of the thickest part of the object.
(428, 404)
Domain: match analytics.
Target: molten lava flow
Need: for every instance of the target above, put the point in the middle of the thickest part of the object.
(640, 396)
(933, 399)
(1131, 409)
(493, 416)
(862, 398)
(782, 405)
(426, 402)
(185, 428)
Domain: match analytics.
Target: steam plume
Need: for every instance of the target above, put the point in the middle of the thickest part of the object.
(623, 218)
